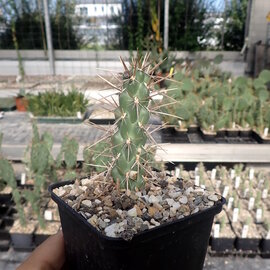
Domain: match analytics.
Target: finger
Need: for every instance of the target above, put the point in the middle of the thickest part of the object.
(50, 255)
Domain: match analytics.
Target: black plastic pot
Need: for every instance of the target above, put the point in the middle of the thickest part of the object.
(5, 198)
(265, 246)
(232, 132)
(208, 137)
(244, 133)
(22, 241)
(181, 243)
(222, 244)
(193, 129)
(40, 238)
(221, 133)
(260, 139)
(247, 244)
(4, 241)
(171, 135)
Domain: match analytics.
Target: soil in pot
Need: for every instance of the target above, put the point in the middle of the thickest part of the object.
(109, 226)
(22, 237)
(41, 234)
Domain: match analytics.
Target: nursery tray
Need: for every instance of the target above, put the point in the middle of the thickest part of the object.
(222, 244)
(246, 244)
(56, 119)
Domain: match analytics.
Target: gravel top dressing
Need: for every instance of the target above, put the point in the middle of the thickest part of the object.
(123, 213)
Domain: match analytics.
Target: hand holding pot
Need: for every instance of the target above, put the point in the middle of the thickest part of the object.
(48, 256)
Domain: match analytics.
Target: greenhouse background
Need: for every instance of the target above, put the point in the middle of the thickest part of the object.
(62, 68)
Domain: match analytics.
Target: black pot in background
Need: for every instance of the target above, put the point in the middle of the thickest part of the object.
(222, 244)
(232, 132)
(5, 199)
(182, 243)
(193, 129)
(247, 244)
(258, 138)
(4, 241)
(40, 238)
(265, 248)
(208, 137)
(221, 133)
(22, 241)
(245, 133)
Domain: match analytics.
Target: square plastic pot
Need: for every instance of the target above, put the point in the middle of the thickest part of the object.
(247, 244)
(22, 241)
(178, 244)
(222, 244)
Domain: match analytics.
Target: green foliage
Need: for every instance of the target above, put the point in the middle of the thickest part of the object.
(68, 153)
(57, 103)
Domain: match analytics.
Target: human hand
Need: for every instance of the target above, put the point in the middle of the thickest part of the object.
(50, 255)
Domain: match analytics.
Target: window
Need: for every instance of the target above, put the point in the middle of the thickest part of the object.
(83, 11)
(112, 10)
(102, 8)
(95, 9)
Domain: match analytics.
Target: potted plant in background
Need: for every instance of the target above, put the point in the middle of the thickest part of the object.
(129, 208)
(21, 101)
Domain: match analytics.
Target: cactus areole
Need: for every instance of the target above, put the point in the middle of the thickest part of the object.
(128, 142)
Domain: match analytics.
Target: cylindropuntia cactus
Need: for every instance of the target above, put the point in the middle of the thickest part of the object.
(129, 165)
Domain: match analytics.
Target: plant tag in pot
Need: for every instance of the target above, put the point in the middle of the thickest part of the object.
(235, 214)
(251, 203)
(79, 115)
(268, 235)
(216, 230)
(177, 172)
(230, 202)
(218, 183)
(244, 231)
(237, 182)
(225, 191)
(48, 215)
(246, 192)
(203, 186)
(265, 132)
(196, 170)
(197, 180)
(259, 215)
(251, 174)
(213, 174)
(232, 173)
(23, 178)
(265, 193)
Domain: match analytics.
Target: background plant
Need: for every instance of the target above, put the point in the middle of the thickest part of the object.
(57, 103)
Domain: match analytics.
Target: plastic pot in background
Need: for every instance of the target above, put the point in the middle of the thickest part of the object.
(4, 241)
(181, 243)
(22, 241)
(247, 244)
(208, 136)
(265, 248)
(222, 244)
(40, 238)
(232, 132)
(21, 104)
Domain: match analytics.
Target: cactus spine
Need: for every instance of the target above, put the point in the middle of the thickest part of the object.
(129, 140)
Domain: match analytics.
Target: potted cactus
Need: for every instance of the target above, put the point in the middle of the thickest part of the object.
(129, 208)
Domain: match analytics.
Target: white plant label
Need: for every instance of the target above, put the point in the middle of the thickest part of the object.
(196, 170)
(232, 173)
(177, 172)
(237, 182)
(213, 174)
(23, 178)
(79, 115)
(265, 132)
(235, 214)
(216, 230)
(233, 125)
(230, 202)
(179, 123)
(203, 186)
(48, 215)
(251, 203)
(197, 180)
(225, 191)
(268, 235)
(251, 174)
(246, 192)
(259, 215)
(265, 193)
(244, 231)
(218, 183)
